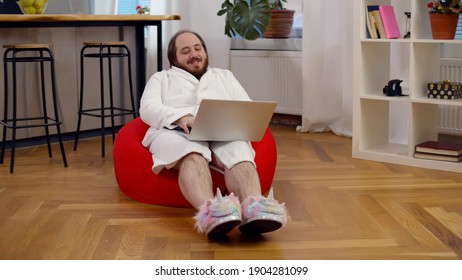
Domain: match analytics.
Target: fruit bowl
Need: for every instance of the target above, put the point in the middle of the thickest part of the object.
(32, 7)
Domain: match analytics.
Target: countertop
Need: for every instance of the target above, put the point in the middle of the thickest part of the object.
(83, 17)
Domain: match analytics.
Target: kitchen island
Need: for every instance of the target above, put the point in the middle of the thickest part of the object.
(67, 32)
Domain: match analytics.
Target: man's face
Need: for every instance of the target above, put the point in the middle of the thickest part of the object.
(190, 55)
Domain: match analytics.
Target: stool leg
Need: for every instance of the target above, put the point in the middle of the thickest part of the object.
(44, 105)
(55, 108)
(13, 148)
(2, 153)
(130, 82)
(111, 93)
(13, 138)
(101, 71)
(5, 106)
(79, 112)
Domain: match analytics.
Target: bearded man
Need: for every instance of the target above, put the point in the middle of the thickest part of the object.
(170, 102)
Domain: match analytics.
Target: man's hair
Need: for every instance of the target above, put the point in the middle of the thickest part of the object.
(171, 50)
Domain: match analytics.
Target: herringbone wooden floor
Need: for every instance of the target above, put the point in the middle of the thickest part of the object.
(340, 208)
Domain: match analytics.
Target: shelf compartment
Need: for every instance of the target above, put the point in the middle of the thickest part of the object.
(399, 14)
(424, 124)
(377, 68)
(420, 20)
(425, 67)
(381, 121)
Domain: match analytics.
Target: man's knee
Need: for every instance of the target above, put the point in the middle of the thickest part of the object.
(246, 164)
(194, 159)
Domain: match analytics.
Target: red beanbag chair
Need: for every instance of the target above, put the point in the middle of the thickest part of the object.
(134, 175)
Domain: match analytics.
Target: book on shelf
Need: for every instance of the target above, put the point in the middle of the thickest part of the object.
(440, 148)
(379, 23)
(370, 21)
(437, 157)
(389, 22)
(370, 26)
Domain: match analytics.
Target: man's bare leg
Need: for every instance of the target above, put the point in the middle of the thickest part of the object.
(242, 179)
(259, 214)
(194, 179)
(215, 216)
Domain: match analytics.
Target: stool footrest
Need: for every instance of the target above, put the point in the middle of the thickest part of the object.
(45, 122)
(28, 59)
(93, 112)
(105, 55)
(105, 44)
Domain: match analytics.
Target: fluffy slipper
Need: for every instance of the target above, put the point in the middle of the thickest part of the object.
(261, 215)
(219, 215)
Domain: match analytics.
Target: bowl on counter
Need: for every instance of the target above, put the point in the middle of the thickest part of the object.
(33, 7)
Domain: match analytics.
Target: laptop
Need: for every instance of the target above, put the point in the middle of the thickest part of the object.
(230, 120)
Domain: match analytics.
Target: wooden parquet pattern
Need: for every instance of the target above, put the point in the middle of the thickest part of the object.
(340, 208)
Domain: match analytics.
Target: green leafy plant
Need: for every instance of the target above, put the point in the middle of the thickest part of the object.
(248, 18)
(444, 7)
(277, 4)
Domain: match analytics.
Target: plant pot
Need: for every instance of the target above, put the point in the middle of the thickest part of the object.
(444, 26)
(280, 25)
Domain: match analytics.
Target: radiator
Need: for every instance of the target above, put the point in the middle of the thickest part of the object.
(450, 121)
(271, 75)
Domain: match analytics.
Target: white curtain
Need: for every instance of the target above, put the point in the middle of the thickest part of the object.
(327, 66)
(104, 7)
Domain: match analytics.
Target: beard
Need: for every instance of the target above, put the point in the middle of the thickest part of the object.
(196, 72)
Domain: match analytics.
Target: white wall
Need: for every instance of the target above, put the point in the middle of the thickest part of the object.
(200, 16)
(68, 6)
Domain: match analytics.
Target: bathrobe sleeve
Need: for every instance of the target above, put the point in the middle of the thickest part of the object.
(163, 102)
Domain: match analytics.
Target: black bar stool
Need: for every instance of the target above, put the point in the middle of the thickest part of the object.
(25, 53)
(101, 51)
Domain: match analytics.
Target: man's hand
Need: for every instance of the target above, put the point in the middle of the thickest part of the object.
(185, 123)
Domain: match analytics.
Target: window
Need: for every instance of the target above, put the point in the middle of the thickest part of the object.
(459, 29)
(128, 7)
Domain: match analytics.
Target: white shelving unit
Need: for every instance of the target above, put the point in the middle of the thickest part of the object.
(375, 63)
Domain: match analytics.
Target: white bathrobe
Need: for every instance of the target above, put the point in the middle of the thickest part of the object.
(174, 93)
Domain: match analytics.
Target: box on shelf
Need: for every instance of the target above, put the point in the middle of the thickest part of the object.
(444, 90)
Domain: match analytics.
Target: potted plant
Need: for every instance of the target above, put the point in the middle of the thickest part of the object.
(253, 19)
(444, 16)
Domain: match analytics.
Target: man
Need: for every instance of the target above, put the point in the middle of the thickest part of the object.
(170, 100)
